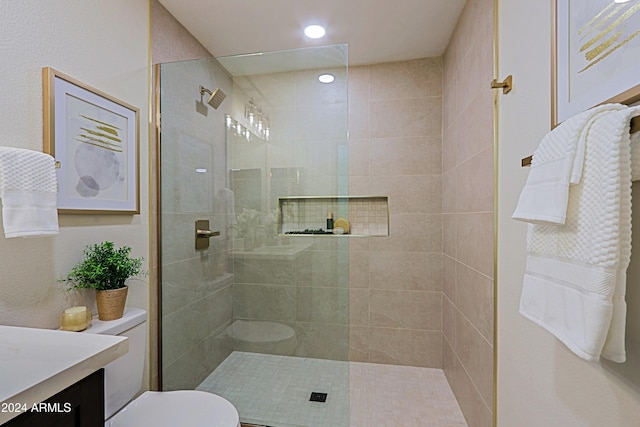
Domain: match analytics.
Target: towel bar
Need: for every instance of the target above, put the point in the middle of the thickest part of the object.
(635, 127)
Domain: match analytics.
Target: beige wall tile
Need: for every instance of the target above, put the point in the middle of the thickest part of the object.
(325, 268)
(449, 281)
(309, 91)
(322, 305)
(283, 129)
(406, 156)
(274, 272)
(190, 280)
(215, 310)
(411, 233)
(474, 183)
(264, 302)
(406, 79)
(449, 190)
(406, 347)
(406, 309)
(476, 354)
(323, 341)
(406, 118)
(475, 300)
(450, 109)
(358, 267)
(411, 271)
(359, 78)
(468, 196)
(450, 141)
(359, 157)
(359, 344)
(274, 87)
(449, 321)
(359, 307)
(475, 241)
(178, 336)
(477, 132)
(411, 194)
(450, 234)
(359, 123)
(359, 244)
(180, 375)
(476, 412)
(360, 186)
(216, 348)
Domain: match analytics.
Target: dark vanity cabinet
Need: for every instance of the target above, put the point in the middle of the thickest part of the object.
(79, 405)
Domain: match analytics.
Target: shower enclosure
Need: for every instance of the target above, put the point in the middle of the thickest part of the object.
(266, 168)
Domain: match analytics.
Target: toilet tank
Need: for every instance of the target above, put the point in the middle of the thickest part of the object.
(123, 376)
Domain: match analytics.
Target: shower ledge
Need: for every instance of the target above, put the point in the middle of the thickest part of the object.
(284, 252)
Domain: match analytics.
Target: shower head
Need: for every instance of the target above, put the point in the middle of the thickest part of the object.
(215, 98)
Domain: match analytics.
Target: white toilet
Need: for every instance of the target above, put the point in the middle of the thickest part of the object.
(257, 336)
(123, 380)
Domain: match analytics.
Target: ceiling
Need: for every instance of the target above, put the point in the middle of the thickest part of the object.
(375, 30)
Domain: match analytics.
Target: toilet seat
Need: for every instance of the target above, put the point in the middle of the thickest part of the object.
(185, 408)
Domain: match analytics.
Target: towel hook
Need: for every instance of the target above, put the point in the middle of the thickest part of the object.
(506, 85)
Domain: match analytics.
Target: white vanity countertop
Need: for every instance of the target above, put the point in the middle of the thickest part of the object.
(36, 363)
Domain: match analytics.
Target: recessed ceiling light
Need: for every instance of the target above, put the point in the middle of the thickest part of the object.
(326, 78)
(314, 31)
(620, 1)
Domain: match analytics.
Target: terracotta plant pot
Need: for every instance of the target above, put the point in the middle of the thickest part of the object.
(111, 303)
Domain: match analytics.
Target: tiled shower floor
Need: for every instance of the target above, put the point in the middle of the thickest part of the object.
(275, 390)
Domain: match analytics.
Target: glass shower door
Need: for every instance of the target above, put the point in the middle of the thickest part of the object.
(275, 306)
(196, 285)
(290, 331)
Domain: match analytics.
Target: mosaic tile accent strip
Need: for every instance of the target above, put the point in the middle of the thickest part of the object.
(274, 390)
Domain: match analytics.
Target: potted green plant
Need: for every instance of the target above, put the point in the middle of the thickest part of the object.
(106, 269)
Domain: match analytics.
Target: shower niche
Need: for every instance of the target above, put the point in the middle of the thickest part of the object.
(348, 215)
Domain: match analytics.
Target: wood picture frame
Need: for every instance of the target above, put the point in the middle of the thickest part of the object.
(94, 138)
(595, 46)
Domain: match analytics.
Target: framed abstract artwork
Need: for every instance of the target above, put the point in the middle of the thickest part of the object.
(595, 51)
(94, 138)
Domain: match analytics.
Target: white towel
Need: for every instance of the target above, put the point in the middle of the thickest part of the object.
(575, 278)
(557, 163)
(28, 189)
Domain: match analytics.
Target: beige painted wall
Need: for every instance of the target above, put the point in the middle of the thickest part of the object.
(67, 36)
(540, 382)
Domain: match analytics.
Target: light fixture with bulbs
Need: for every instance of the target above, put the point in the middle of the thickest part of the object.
(238, 128)
(257, 123)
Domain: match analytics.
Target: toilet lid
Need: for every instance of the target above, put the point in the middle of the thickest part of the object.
(185, 408)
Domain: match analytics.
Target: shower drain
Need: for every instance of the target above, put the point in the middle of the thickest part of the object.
(318, 397)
